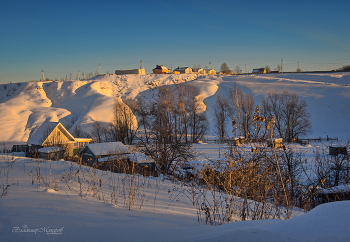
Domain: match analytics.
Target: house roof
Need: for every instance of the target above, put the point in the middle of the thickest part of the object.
(181, 68)
(110, 148)
(160, 67)
(140, 158)
(39, 136)
(337, 189)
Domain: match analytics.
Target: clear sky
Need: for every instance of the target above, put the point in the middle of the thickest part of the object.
(63, 37)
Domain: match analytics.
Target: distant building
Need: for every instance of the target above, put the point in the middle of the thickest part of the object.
(160, 70)
(211, 72)
(259, 71)
(133, 71)
(201, 71)
(183, 70)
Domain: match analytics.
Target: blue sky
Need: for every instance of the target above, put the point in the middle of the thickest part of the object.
(63, 37)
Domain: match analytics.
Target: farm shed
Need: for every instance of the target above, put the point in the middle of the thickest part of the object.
(333, 194)
(259, 71)
(51, 153)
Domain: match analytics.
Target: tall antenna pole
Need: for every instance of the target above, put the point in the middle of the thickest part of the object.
(100, 69)
(42, 75)
(210, 66)
(141, 65)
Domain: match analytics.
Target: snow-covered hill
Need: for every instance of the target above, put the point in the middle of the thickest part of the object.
(24, 106)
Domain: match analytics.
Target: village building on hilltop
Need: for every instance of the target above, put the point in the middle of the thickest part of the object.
(160, 70)
(183, 70)
(259, 71)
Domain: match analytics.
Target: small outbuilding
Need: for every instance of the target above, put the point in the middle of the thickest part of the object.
(51, 153)
(92, 153)
(259, 71)
(333, 194)
(342, 150)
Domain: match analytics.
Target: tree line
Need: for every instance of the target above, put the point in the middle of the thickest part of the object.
(286, 111)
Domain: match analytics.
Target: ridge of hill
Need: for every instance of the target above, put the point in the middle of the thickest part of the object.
(24, 106)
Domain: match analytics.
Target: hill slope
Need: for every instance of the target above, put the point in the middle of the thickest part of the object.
(24, 106)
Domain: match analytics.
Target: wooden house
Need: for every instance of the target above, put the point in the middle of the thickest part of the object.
(183, 70)
(160, 70)
(211, 72)
(54, 134)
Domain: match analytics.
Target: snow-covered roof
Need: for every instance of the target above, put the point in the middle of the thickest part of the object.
(50, 149)
(111, 158)
(181, 68)
(160, 67)
(337, 189)
(109, 148)
(140, 158)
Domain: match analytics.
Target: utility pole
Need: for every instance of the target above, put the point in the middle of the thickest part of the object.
(282, 66)
(245, 68)
(42, 75)
(99, 69)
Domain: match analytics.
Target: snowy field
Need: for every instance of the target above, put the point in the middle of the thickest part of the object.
(60, 201)
(46, 201)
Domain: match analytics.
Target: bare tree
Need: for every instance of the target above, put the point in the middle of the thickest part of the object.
(243, 107)
(193, 119)
(124, 123)
(268, 69)
(222, 114)
(98, 132)
(78, 132)
(224, 68)
(291, 115)
(238, 70)
(164, 137)
(278, 68)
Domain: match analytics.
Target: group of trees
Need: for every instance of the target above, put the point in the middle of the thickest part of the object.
(168, 125)
(282, 114)
(165, 127)
(224, 69)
